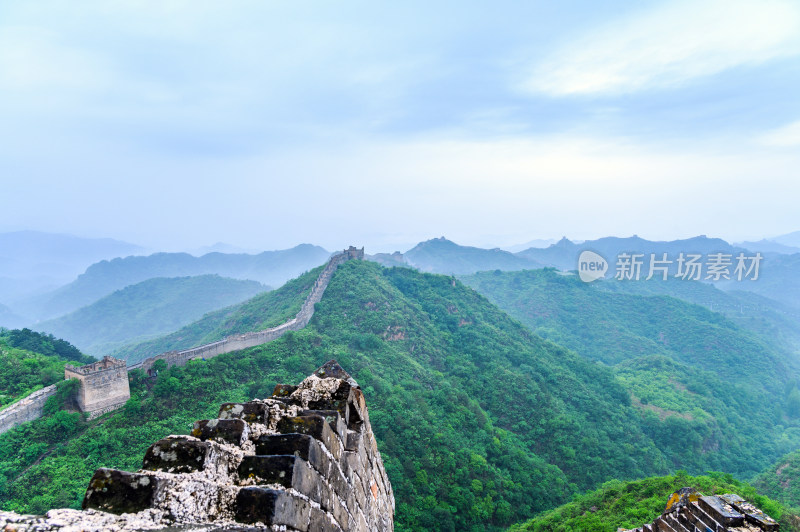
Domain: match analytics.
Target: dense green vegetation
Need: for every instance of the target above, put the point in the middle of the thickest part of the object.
(631, 504)
(480, 422)
(43, 343)
(260, 312)
(147, 309)
(775, 323)
(781, 481)
(710, 394)
(23, 367)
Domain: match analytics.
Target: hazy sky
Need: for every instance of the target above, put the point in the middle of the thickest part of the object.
(266, 124)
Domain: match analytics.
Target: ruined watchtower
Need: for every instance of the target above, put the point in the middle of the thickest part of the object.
(354, 253)
(104, 385)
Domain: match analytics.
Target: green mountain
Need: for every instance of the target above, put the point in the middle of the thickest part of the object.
(781, 481)
(260, 312)
(628, 505)
(147, 309)
(272, 268)
(30, 361)
(711, 394)
(440, 255)
(480, 423)
(774, 322)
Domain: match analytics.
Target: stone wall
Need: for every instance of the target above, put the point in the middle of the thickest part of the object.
(304, 460)
(103, 385)
(690, 511)
(104, 388)
(238, 342)
(26, 409)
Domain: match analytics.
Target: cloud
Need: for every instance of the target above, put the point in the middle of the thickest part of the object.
(783, 137)
(33, 59)
(669, 46)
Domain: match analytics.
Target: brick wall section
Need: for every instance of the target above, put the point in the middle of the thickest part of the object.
(238, 342)
(689, 511)
(26, 409)
(104, 388)
(302, 460)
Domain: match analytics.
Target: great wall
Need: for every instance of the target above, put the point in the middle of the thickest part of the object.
(104, 384)
(303, 460)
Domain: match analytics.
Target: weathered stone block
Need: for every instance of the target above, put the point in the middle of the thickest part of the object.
(301, 445)
(323, 522)
(283, 390)
(334, 419)
(288, 471)
(233, 431)
(176, 455)
(316, 427)
(721, 512)
(272, 507)
(352, 440)
(119, 492)
(251, 412)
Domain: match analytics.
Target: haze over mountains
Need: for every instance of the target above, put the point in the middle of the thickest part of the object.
(482, 419)
(156, 306)
(67, 309)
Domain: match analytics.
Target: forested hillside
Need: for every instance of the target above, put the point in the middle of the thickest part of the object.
(480, 422)
(631, 504)
(147, 309)
(260, 312)
(712, 394)
(30, 361)
(781, 481)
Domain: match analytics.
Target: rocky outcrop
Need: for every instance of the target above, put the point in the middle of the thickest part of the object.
(689, 511)
(304, 459)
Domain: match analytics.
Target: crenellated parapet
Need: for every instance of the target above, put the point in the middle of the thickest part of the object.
(103, 385)
(304, 459)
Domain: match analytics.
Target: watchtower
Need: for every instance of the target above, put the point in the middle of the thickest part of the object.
(104, 385)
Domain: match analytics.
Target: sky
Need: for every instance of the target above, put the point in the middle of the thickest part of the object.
(178, 124)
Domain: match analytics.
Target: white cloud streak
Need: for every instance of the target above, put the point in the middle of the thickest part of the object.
(787, 136)
(670, 46)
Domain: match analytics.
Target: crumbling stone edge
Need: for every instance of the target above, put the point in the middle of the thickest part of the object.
(304, 459)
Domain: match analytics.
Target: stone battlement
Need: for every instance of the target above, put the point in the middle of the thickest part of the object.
(107, 363)
(103, 385)
(302, 460)
(688, 510)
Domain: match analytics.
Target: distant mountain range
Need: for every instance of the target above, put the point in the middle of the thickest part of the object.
(32, 262)
(272, 268)
(147, 309)
(440, 255)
